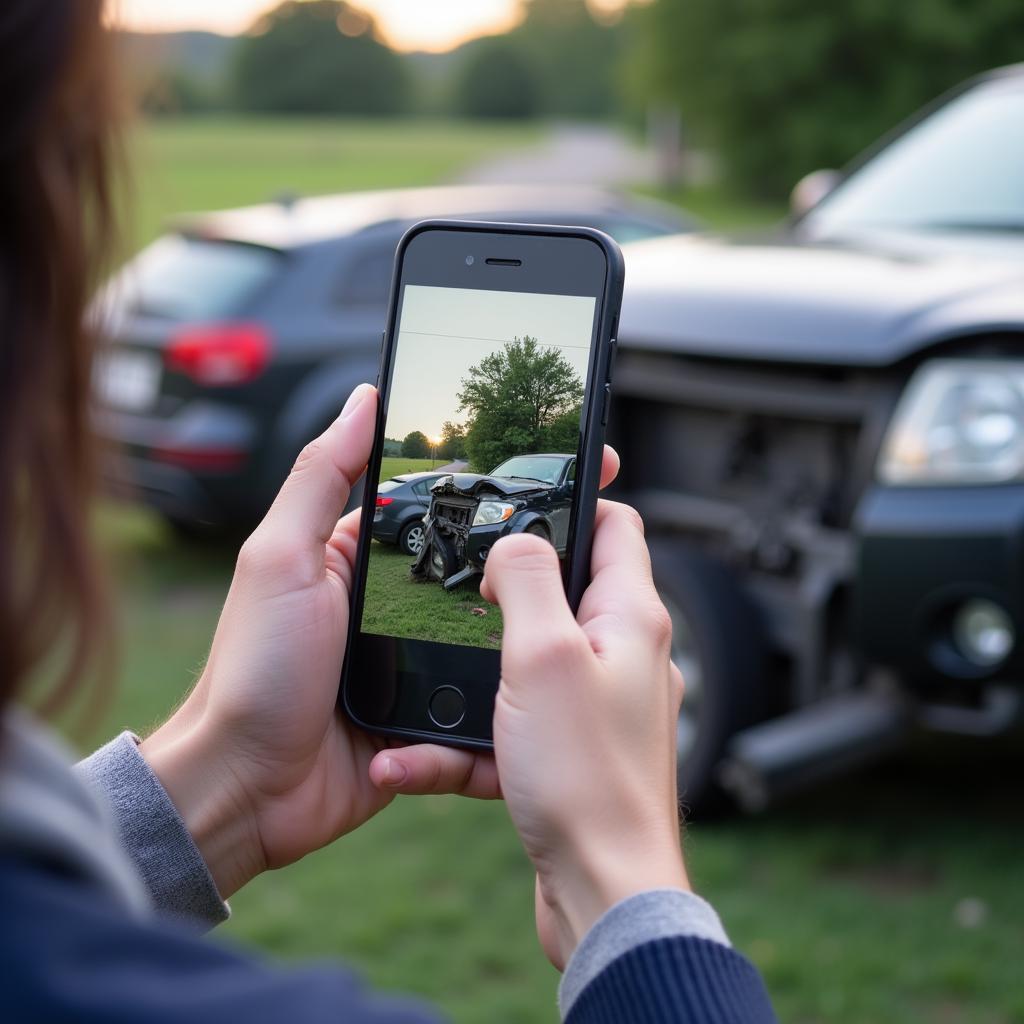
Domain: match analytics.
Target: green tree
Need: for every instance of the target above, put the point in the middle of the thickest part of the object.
(778, 88)
(497, 81)
(576, 56)
(415, 445)
(317, 56)
(453, 441)
(563, 434)
(513, 397)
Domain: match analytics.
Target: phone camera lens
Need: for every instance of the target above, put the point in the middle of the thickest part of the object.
(469, 261)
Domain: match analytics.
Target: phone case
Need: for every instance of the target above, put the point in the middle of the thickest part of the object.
(594, 422)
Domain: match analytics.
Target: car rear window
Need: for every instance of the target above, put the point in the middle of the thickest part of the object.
(184, 278)
(389, 485)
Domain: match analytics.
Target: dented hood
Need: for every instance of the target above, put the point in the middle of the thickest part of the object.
(471, 485)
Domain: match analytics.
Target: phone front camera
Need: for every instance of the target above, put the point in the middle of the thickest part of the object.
(469, 261)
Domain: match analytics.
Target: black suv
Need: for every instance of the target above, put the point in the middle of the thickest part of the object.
(236, 337)
(469, 512)
(825, 433)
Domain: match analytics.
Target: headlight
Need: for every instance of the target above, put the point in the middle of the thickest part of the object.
(960, 421)
(490, 512)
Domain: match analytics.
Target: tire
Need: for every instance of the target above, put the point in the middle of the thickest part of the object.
(539, 530)
(442, 562)
(410, 539)
(718, 644)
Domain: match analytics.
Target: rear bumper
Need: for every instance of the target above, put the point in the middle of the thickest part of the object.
(923, 552)
(197, 466)
(384, 529)
(170, 490)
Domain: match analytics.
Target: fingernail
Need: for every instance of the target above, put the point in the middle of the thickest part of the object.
(395, 772)
(355, 400)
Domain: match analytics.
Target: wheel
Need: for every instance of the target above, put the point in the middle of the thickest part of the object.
(538, 530)
(443, 562)
(410, 540)
(718, 645)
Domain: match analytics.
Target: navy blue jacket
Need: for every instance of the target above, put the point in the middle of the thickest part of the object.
(68, 955)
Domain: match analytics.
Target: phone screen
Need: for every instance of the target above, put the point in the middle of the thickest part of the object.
(482, 428)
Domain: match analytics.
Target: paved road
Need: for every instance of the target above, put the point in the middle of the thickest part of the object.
(452, 467)
(570, 154)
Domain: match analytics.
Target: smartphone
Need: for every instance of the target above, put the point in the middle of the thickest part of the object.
(494, 390)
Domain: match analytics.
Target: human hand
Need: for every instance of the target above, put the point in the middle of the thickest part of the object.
(584, 730)
(257, 761)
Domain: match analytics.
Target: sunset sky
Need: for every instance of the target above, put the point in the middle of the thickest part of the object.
(408, 24)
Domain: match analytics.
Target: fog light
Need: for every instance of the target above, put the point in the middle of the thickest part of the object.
(983, 633)
(484, 552)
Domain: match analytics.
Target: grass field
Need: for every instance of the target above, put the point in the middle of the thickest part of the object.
(398, 606)
(213, 163)
(894, 897)
(851, 900)
(393, 465)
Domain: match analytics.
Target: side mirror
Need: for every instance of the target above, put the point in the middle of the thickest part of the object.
(811, 189)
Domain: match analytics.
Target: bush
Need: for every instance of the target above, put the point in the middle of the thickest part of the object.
(782, 87)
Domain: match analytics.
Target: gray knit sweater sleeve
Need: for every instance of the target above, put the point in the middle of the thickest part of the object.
(153, 834)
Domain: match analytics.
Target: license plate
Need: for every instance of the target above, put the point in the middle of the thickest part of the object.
(128, 380)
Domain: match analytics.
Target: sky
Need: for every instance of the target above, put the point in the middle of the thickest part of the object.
(445, 331)
(407, 24)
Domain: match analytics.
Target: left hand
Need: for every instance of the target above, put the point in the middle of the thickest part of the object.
(257, 761)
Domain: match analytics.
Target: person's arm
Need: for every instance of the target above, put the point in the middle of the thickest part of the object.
(661, 956)
(153, 834)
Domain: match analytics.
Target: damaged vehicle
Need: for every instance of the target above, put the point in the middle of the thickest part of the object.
(470, 511)
(824, 431)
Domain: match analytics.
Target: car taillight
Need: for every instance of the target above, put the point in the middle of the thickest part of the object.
(218, 355)
(382, 501)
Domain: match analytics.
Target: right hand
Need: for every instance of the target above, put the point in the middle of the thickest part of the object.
(584, 730)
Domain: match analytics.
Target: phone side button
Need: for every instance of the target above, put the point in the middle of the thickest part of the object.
(606, 404)
(447, 707)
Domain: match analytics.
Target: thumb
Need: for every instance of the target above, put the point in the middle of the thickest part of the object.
(524, 577)
(313, 497)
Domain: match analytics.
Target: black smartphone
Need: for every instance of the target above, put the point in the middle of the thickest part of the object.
(494, 381)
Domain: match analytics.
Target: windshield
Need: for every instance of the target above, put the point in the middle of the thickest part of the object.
(184, 278)
(962, 168)
(532, 467)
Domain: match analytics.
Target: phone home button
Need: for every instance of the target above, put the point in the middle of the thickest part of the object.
(447, 707)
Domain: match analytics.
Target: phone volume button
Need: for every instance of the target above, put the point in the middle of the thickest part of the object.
(606, 404)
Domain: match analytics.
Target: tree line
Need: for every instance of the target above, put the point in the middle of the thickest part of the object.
(328, 57)
(772, 88)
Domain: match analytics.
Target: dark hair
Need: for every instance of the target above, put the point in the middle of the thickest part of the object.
(57, 148)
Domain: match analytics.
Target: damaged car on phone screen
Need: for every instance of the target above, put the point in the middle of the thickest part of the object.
(469, 512)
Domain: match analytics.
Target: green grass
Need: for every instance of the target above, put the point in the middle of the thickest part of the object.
(846, 899)
(393, 465)
(187, 164)
(396, 605)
